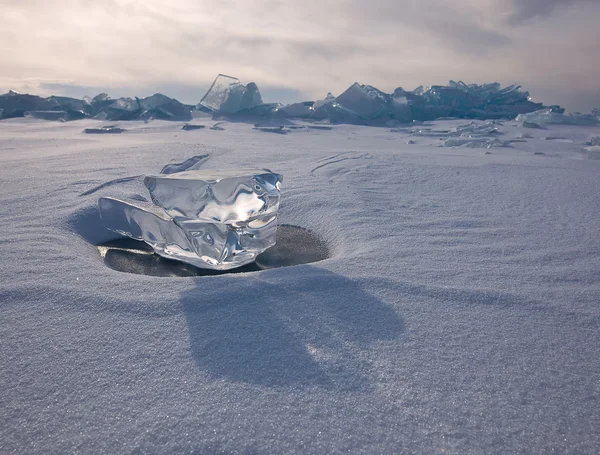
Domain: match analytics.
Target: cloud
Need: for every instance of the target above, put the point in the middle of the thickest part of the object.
(305, 48)
(524, 10)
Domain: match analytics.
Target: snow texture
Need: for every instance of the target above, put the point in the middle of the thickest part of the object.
(458, 312)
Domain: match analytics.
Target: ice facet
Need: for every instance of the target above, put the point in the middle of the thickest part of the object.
(211, 219)
(221, 196)
(365, 101)
(299, 110)
(328, 99)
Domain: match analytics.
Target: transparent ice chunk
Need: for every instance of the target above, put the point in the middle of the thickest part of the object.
(219, 91)
(364, 101)
(211, 219)
(221, 196)
(228, 95)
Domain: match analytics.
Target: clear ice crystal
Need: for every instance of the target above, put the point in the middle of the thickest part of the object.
(211, 219)
(365, 101)
(227, 95)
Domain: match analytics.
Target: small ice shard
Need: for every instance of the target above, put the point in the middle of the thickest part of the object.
(476, 142)
(595, 140)
(227, 95)
(426, 132)
(548, 116)
(110, 129)
(319, 127)
(211, 219)
(474, 129)
(191, 127)
(272, 129)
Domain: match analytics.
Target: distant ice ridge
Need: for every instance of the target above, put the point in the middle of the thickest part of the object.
(365, 104)
(101, 107)
(211, 219)
(359, 104)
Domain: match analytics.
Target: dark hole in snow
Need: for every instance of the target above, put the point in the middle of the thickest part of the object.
(295, 245)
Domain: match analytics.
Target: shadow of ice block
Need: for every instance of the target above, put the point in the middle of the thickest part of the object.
(211, 219)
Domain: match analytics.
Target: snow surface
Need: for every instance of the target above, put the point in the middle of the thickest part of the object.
(459, 312)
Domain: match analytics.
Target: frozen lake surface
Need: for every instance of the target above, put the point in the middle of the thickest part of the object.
(458, 311)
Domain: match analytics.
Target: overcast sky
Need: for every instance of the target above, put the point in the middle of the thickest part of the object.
(300, 49)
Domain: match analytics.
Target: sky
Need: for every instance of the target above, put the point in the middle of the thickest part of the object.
(299, 50)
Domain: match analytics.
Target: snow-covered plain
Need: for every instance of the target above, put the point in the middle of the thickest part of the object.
(458, 313)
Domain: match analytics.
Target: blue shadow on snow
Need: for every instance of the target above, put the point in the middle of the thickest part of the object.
(299, 326)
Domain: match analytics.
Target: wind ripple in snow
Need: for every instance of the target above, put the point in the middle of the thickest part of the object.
(340, 157)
